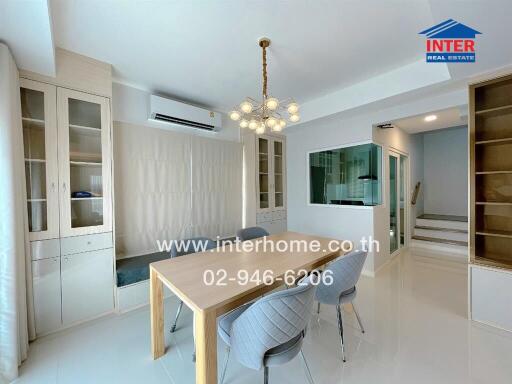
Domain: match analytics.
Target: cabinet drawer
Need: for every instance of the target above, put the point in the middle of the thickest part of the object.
(45, 249)
(86, 243)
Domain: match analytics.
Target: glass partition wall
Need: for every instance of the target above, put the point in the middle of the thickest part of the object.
(346, 176)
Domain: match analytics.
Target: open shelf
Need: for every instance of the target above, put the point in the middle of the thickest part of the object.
(494, 187)
(496, 111)
(496, 157)
(493, 95)
(507, 234)
(491, 203)
(495, 249)
(491, 176)
(495, 141)
(86, 198)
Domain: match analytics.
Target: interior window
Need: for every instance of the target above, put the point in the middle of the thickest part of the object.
(346, 176)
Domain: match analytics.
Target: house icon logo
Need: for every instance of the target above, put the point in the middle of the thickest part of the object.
(450, 42)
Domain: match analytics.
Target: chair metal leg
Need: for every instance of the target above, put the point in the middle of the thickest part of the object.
(340, 328)
(318, 309)
(358, 317)
(180, 306)
(308, 372)
(265, 375)
(226, 360)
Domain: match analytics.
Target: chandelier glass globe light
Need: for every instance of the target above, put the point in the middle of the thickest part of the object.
(270, 112)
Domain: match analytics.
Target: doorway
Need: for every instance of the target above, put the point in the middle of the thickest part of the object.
(397, 201)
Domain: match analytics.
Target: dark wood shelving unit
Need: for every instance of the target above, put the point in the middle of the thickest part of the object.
(491, 173)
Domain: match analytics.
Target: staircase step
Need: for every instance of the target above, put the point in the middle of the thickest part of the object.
(445, 224)
(430, 216)
(427, 227)
(440, 241)
(450, 234)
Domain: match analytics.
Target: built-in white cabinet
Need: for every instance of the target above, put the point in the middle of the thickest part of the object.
(84, 163)
(47, 294)
(67, 143)
(271, 183)
(87, 289)
(39, 120)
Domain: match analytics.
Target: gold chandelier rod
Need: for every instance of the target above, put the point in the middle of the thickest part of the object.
(264, 43)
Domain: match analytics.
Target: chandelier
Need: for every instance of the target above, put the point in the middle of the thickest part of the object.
(269, 113)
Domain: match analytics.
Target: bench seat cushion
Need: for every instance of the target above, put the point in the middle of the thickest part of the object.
(135, 269)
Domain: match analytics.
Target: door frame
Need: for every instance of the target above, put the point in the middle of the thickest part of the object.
(406, 203)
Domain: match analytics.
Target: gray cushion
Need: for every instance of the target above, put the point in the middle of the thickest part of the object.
(251, 233)
(134, 269)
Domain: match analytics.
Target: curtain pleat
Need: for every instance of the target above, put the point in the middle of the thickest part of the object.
(15, 273)
(170, 185)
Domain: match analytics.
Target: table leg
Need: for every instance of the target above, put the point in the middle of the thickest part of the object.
(206, 347)
(157, 315)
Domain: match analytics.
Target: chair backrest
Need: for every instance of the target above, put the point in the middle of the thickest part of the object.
(272, 321)
(345, 272)
(251, 233)
(191, 245)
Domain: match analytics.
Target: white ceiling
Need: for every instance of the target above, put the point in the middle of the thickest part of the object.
(331, 55)
(207, 52)
(447, 118)
(25, 26)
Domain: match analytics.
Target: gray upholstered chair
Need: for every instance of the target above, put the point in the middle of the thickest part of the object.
(190, 245)
(345, 272)
(270, 331)
(251, 233)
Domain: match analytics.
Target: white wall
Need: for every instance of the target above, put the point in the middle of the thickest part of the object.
(347, 223)
(352, 127)
(446, 171)
(131, 105)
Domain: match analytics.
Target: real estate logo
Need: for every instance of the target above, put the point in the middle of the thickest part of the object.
(450, 42)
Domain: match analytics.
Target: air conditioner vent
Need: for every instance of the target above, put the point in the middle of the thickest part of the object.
(179, 121)
(173, 112)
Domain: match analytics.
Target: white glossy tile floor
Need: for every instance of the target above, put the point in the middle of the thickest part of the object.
(414, 312)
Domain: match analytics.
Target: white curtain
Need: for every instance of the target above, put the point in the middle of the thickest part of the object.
(170, 185)
(14, 334)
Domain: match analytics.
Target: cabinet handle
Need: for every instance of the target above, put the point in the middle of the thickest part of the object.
(53, 186)
(64, 186)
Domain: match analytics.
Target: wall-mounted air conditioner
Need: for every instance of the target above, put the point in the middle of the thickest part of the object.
(175, 112)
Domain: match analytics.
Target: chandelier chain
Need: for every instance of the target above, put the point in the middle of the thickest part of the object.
(264, 72)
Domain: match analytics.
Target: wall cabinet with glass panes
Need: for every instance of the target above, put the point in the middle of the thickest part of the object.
(271, 183)
(67, 147)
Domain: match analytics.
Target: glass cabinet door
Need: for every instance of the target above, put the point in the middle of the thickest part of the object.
(263, 173)
(38, 113)
(278, 175)
(85, 173)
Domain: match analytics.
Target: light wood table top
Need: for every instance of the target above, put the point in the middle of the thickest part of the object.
(184, 276)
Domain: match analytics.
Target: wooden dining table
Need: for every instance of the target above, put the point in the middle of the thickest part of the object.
(210, 284)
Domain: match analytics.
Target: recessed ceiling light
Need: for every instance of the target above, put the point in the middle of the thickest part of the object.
(430, 118)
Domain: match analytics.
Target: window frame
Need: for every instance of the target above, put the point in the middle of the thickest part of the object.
(340, 146)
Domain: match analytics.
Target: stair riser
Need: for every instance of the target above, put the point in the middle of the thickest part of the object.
(440, 234)
(442, 224)
(440, 247)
